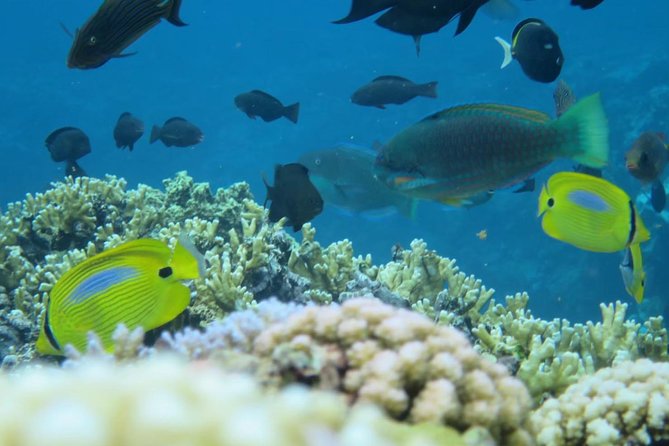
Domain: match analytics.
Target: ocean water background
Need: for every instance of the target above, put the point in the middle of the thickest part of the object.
(291, 50)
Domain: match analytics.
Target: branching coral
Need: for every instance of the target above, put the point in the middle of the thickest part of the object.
(627, 404)
(163, 401)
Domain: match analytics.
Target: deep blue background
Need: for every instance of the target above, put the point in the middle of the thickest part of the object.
(290, 49)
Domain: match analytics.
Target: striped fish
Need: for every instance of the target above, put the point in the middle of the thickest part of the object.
(136, 284)
(116, 25)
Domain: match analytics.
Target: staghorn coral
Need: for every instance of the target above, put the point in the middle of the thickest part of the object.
(162, 400)
(627, 404)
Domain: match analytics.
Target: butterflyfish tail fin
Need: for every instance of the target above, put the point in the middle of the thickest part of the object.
(506, 46)
(187, 262)
(586, 132)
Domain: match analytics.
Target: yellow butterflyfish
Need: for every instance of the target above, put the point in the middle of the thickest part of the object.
(634, 277)
(137, 284)
(590, 213)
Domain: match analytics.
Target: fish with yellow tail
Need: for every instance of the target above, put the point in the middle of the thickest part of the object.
(634, 277)
(462, 152)
(590, 213)
(137, 284)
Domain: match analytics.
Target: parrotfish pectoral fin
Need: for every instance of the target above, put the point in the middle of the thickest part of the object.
(173, 13)
(120, 56)
(506, 46)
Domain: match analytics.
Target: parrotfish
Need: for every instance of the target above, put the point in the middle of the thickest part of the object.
(590, 213)
(293, 195)
(258, 103)
(177, 132)
(128, 130)
(137, 284)
(392, 90)
(115, 26)
(69, 144)
(468, 150)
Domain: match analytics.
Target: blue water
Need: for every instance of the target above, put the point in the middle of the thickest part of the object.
(290, 49)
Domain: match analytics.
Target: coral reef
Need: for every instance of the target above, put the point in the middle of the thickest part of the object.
(627, 404)
(162, 400)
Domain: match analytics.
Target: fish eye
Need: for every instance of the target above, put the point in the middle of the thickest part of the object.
(317, 162)
(165, 272)
(551, 202)
(92, 40)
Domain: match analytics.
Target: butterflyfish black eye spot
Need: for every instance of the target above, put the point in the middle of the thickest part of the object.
(551, 202)
(165, 272)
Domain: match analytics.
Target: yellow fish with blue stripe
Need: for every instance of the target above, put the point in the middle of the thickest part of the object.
(634, 277)
(590, 213)
(136, 284)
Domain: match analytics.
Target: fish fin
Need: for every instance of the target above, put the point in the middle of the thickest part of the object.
(408, 208)
(658, 196)
(131, 146)
(291, 112)
(340, 190)
(506, 46)
(67, 31)
(251, 115)
(155, 134)
(120, 56)
(187, 261)
(456, 202)
(172, 15)
(587, 132)
(429, 90)
(270, 190)
(638, 277)
(361, 9)
(527, 186)
(466, 18)
(377, 146)
(501, 9)
(416, 42)
(381, 106)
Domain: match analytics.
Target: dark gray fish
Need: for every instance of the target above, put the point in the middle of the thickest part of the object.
(392, 90)
(658, 196)
(258, 103)
(74, 170)
(586, 4)
(536, 47)
(67, 144)
(344, 177)
(115, 26)
(293, 196)
(128, 130)
(177, 132)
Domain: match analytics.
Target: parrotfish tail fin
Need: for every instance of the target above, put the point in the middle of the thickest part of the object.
(292, 111)
(131, 146)
(155, 134)
(408, 208)
(428, 90)
(172, 15)
(586, 132)
(187, 262)
(506, 46)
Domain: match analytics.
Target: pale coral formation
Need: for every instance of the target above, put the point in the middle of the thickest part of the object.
(627, 404)
(164, 401)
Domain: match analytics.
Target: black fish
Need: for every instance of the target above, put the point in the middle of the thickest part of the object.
(116, 25)
(293, 195)
(177, 132)
(74, 170)
(658, 196)
(258, 103)
(586, 4)
(536, 48)
(392, 90)
(68, 144)
(128, 130)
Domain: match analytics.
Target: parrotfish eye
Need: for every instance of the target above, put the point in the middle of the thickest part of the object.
(165, 272)
(92, 41)
(551, 202)
(317, 161)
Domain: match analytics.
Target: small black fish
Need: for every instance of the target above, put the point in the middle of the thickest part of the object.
(128, 130)
(586, 4)
(658, 196)
(115, 26)
(68, 144)
(177, 132)
(392, 90)
(258, 103)
(293, 195)
(536, 48)
(74, 170)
